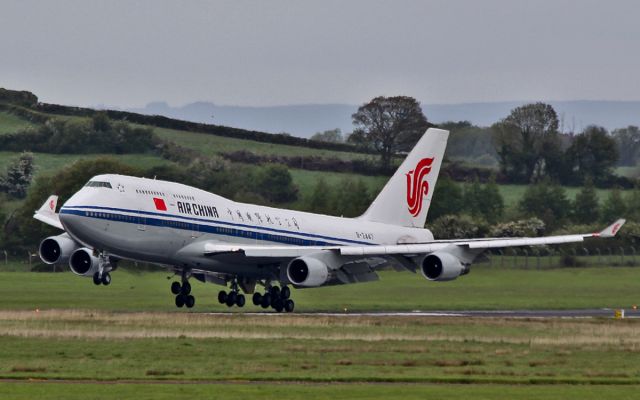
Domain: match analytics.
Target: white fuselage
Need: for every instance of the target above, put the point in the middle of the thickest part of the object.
(151, 220)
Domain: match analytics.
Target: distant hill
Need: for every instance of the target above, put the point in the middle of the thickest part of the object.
(305, 120)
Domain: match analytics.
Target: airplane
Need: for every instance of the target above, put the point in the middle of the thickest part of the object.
(197, 234)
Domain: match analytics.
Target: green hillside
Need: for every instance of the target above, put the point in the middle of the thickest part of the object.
(225, 160)
(11, 123)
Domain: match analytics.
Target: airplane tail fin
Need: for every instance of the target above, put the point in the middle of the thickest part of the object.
(406, 197)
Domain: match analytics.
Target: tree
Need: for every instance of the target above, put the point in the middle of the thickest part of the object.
(633, 200)
(614, 207)
(484, 201)
(388, 124)
(525, 139)
(593, 154)
(628, 143)
(18, 177)
(274, 183)
(320, 200)
(585, 207)
(331, 136)
(545, 201)
(447, 199)
(351, 198)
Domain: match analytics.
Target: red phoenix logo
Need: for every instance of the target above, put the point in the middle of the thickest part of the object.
(52, 205)
(417, 185)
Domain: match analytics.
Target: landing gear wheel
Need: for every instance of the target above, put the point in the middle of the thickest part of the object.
(175, 287)
(274, 291)
(190, 301)
(240, 301)
(266, 301)
(285, 292)
(289, 305)
(257, 299)
(96, 279)
(231, 299)
(186, 288)
(222, 297)
(180, 300)
(106, 279)
(277, 305)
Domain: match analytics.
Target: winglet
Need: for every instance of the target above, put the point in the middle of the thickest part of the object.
(611, 230)
(47, 213)
(49, 206)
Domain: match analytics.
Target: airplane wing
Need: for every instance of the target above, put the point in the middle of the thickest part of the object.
(47, 213)
(284, 252)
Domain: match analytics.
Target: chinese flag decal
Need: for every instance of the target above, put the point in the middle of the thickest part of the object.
(160, 205)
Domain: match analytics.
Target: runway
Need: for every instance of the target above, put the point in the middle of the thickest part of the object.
(575, 313)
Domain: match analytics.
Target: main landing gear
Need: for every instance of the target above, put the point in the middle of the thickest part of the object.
(233, 298)
(183, 294)
(276, 298)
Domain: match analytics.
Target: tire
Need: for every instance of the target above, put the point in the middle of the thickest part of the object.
(274, 291)
(231, 300)
(222, 297)
(285, 292)
(96, 279)
(186, 288)
(278, 305)
(289, 305)
(266, 301)
(257, 299)
(190, 301)
(175, 287)
(240, 301)
(106, 279)
(180, 300)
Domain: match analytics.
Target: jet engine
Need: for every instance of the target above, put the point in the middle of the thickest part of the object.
(442, 266)
(57, 249)
(82, 262)
(308, 271)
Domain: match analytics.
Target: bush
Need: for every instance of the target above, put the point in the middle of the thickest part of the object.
(458, 227)
(100, 135)
(275, 184)
(531, 227)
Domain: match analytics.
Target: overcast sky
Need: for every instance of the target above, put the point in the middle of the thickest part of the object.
(128, 53)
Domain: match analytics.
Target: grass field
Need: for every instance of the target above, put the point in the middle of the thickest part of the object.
(212, 144)
(49, 164)
(29, 391)
(485, 288)
(63, 337)
(10, 123)
(155, 346)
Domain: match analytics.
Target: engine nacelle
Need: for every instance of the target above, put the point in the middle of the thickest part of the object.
(57, 249)
(308, 271)
(82, 262)
(442, 266)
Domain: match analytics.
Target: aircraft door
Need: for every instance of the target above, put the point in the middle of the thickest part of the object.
(141, 222)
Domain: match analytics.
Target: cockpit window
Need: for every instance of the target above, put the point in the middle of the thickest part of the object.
(98, 184)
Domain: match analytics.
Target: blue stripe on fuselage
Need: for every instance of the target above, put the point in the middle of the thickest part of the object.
(170, 223)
